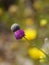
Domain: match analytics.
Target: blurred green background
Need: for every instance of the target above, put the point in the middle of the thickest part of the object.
(18, 11)
(32, 14)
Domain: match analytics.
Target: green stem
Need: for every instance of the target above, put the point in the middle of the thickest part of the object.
(28, 40)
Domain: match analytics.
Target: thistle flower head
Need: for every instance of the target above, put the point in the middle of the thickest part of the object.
(19, 34)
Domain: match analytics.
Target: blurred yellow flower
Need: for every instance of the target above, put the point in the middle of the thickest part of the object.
(43, 22)
(36, 53)
(30, 34)
(27, 12)
(29, 21)
(1, 11)
(37, 5)
(13, 9)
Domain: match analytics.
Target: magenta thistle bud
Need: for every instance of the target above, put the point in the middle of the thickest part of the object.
(19, 34)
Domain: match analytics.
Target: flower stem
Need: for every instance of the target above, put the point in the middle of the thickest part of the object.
(27, 40)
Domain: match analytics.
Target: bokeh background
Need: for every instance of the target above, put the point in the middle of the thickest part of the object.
(30, 14)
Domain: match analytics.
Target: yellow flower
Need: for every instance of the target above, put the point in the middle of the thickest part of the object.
(43, 22)
(30, 34)
(29, 21)
(36, 53)
(27, 12)
(1, 11)
(13, 9)
(37, 5)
